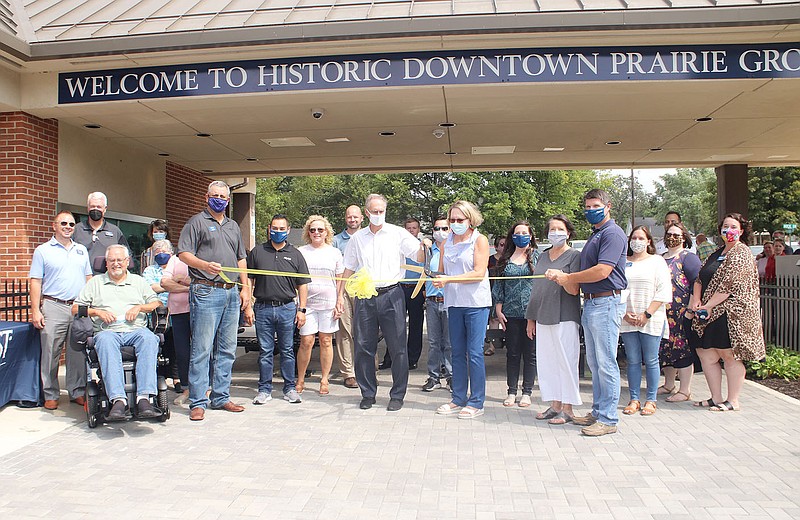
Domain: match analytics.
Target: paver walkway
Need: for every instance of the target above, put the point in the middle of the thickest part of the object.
(327, 459)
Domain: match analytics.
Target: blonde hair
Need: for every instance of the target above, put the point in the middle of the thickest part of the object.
(162, 245)
(328, 228)
(469, 210)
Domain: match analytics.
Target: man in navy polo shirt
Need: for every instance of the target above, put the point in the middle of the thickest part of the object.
(59, 270)
(602, 279)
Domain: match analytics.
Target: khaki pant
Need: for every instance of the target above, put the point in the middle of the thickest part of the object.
(344, 340)
(55, 334)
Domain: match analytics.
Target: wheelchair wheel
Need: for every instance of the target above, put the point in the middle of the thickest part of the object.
(91, 410)
(163, 405)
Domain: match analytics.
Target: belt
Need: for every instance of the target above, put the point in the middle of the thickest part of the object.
(437, 299)
(601, 294)
(219, 285)
(63, 302)
(388, 288)
(273, 303)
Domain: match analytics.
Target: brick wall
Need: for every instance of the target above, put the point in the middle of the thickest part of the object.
(186, 191)
(28, 188)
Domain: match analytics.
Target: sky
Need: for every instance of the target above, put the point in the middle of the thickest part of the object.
(648, 177)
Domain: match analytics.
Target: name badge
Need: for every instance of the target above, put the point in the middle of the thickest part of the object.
(108, 233)
(79, 251)
(212, 228)
(721, 258)
(628, 264)
(287, 258)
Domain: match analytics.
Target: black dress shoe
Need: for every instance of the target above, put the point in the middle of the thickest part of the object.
(394, 405)
(366, 403)
(412, 366)
(383, 365)
(145, 410)
(117, 412)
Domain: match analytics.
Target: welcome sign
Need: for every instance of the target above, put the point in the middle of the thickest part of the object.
(434, 68)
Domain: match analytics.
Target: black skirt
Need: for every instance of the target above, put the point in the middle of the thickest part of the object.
(715, 335)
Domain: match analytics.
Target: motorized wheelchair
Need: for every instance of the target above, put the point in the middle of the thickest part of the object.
(97, 404)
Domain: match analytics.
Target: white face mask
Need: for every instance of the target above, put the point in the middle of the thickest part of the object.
(638, 246)
(377, 220)
(440, 236)
(557, 238)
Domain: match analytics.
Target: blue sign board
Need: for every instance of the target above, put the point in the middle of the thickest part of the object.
(692, 62)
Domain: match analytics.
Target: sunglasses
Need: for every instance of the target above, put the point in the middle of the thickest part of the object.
(440, 228)
(676, 235)
(65, 223)
(316, 230)
(457, 220)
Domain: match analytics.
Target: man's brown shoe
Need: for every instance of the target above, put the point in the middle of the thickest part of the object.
(598, 429)
(230, 406)
(197, 414)
(350, 382)
(586, 420)
(50, 404)
(80, 400)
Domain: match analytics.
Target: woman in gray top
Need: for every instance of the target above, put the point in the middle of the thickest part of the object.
(554, 315)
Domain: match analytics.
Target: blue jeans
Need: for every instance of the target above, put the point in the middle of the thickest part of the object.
(439, 351)
(145, 343)
(214, 315)
(271, 320)
(467, 331)
(601, 319)
(641, 347)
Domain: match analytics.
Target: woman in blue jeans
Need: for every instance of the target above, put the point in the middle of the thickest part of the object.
(645, 320)
(464, 258)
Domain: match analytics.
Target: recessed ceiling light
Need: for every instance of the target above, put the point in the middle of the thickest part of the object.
(337, 140)
(251, 159)
(286, 142)
(657, 149)
(777, 157)
(451, 153)
(387, 134)
(201, 134)
(92, 126)
(163, 154)
(447, 125)
(549, 149)
(207, 171)
(703, 119)
(613, 143)
(492, 150)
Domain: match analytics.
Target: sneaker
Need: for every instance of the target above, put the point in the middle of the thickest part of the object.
(586, 420)
(292, 396)
(431, 384)
(262, 398)
(450, 384)
(598, 429)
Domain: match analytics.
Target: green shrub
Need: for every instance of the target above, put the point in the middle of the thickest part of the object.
(779, 363)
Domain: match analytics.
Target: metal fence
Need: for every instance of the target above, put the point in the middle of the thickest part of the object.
(15, 300)
(780, 311)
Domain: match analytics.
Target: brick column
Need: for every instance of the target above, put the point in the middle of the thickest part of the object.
(185, 191)
(28, 188)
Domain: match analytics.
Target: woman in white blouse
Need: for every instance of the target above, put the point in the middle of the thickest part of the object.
(645, 321)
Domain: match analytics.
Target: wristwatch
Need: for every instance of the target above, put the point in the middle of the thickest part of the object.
(648, 315)
(302, 309)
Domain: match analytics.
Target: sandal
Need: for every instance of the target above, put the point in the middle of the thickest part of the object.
(323, 388)
(561, 418)
(663, 390)
(448, 409)
(300, 386)
(510, 400)
(649, 408)
(724, 406)
(469, 412)
(675, 399)
(547, 414)
(708, 403)
(633, 407)
(489, 351)
(525, 401)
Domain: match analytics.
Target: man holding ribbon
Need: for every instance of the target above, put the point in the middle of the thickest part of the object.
(210, 241)
(381, 249)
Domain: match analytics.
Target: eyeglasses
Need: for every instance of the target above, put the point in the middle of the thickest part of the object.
(440, 228)
(220, 197)
(457, 220)
(116, 260)
(676, 235)
(65, 223)
(316, 230)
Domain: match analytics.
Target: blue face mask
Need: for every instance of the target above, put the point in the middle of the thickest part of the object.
(595, 216)
(279, 237)
(159, 235)
(162, 258)
(459, 228)
(521, 240)
(217, 205)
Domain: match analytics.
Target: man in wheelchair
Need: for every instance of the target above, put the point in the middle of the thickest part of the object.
(118, 303)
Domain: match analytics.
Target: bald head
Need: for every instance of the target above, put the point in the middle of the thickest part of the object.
(353, 218)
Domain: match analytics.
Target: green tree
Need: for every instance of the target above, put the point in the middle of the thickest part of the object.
(619, 188)
(774, 197)
(693, 193)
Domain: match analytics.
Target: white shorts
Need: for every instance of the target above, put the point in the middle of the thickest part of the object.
(319, 321)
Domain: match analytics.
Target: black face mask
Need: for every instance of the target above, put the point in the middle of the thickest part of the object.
(95, 214)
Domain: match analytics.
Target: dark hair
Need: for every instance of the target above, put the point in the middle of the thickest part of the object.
(497, 240)
(567, 224)
(651, 248)
(687, 237)
(64, 212)
(160, 225)
(441, 217)
(670, 212)
(410, 220)
(782, 241)
(597, 193)
(279, 216)
(747, 229)
(511, 247)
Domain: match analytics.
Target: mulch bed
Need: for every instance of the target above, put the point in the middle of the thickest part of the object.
(790, 388)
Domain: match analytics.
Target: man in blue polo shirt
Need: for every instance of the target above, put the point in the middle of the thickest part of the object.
(440, 353)
(602, 279)
(59, 270)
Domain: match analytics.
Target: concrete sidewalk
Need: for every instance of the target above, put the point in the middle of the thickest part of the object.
(327, 459)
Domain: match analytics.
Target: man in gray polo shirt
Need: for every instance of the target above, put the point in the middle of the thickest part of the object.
(210, 241)
(96, 234)
(59, 270)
